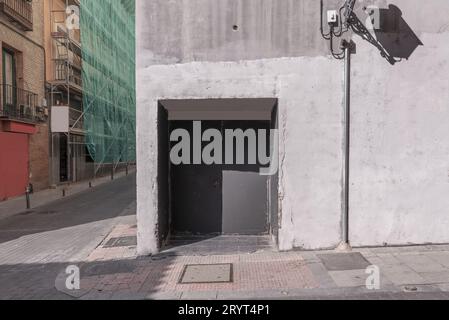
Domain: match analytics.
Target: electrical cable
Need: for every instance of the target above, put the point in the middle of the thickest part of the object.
(338, 56)
(326, 36)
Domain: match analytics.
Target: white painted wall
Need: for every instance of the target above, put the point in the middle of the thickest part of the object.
(310, 135)
(400, 117)
(400, 146)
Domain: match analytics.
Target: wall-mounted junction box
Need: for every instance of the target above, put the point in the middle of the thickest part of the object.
(332, 18)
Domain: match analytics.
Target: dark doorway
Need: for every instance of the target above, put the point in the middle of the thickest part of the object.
(196, 191)
(63, 158)
(223, 198)
(220, 198)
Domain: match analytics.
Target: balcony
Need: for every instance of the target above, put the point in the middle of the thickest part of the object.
(18, 11)
(19, 105)
(68, 73)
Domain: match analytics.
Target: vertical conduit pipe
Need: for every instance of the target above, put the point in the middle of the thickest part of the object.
(347, 143)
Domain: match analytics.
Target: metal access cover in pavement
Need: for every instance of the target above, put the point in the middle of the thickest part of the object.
(121, 242)
(207, 273)
(344, 261)
(107, 267)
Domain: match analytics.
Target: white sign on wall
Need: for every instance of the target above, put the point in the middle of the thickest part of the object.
(60, 119)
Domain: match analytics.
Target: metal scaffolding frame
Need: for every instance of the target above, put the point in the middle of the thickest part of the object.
(66, 78)
(78, 70)
(108, 37)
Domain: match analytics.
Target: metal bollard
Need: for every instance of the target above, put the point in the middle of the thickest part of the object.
(63, 192)
(90, 185)
(27, 195)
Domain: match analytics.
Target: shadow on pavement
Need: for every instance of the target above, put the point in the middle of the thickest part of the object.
(117, 279)
(101, 203)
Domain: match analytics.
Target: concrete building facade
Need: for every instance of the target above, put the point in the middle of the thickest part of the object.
(225, 54)
(24, 150)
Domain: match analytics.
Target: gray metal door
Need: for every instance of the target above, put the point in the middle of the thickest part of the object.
(245, 191)
(219, 199)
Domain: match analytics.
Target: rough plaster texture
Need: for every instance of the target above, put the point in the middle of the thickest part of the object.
(203, 30)
(399, 147)
(310, 135)
(400, 137)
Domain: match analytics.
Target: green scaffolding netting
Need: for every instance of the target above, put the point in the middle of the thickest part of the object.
(108, 75)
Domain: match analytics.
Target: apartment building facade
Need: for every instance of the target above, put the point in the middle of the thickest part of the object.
(86, 58)
(64, 90)
(24, 148)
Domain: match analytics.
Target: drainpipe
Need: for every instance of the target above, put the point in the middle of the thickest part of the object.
(347, 46)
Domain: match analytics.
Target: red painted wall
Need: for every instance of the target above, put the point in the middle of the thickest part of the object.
(18, 127)
(13, 164)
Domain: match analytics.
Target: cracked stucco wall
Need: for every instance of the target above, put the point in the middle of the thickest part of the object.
(400, 137)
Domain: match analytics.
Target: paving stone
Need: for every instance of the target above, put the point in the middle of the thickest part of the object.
(420, 263)
(60, 285)
(310, 256)
(107, 268)
(365, 252)
(356, 278)
(321, 275)
(436, 248)
(444, 287)
(121, 242)
(211, 273)
(164, 296)
(201, 295)
(220, 245)
(441, 257)
(97, 295)
(349, 278)
(253, 294)
(128, 295)
(436, 277)
(384, 250)
(395, 271)
(344, 261)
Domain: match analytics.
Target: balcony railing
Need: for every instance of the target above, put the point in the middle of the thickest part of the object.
(19, 11)
(76, 120)
(67, 73)
(18, 104)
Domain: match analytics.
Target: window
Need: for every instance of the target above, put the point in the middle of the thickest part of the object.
(9, 80)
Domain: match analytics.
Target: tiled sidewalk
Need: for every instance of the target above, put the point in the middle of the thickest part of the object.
(161, 274)
(253, 272)
(259, 271)
(410, 272)
(102, 253)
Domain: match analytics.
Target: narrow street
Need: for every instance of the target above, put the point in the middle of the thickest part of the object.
(36, 244)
